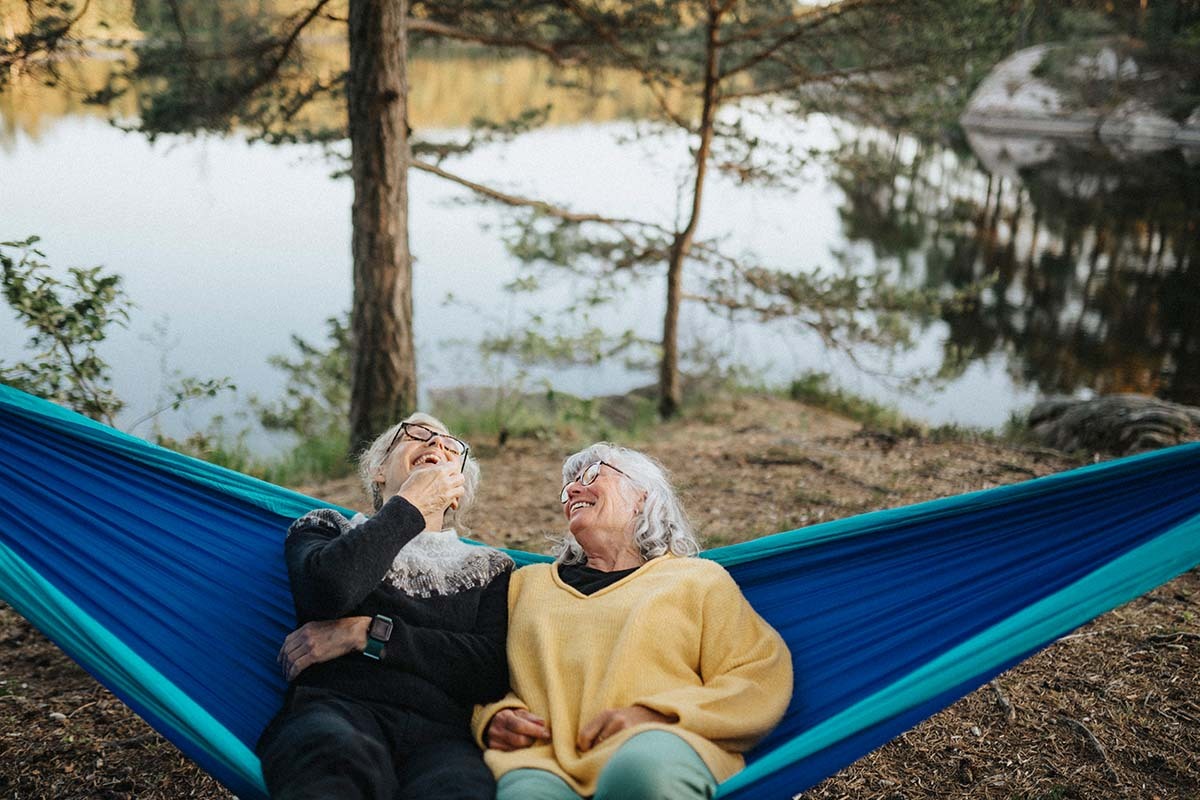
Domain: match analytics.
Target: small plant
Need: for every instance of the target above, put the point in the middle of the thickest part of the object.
(69, 319)
(216, 446)
(316, 395)
(814, 388)
(1017, 431)
(315, 407)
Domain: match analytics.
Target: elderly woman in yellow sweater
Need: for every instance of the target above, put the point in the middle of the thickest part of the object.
(637, 670)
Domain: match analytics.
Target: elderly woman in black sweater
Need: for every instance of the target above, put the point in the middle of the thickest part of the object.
(404, 630)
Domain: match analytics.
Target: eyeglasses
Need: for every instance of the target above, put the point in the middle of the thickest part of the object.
(587, 477)
(419, 433)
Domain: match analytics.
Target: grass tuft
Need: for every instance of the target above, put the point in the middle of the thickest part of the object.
(815, 389)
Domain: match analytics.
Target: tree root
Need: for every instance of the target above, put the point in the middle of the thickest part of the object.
(1002, 700)
(1094, 742)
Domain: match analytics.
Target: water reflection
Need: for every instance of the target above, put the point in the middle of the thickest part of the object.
(1089, 257)
(450, 86)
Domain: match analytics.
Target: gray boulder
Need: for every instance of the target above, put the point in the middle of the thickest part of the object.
(1119, 424)
(1135, 124)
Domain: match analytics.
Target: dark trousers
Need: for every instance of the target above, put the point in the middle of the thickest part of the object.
(327, 745)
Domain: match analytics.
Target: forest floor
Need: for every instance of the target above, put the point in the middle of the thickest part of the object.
(1110, 711)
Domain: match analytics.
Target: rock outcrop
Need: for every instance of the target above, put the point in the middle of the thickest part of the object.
(1119, 424)
(1015, 99)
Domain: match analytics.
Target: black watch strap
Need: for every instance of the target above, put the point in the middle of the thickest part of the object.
(378, 634)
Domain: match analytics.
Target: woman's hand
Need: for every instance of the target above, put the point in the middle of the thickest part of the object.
(515, 728)
(607, 723)
(432, 490)
(324, 640)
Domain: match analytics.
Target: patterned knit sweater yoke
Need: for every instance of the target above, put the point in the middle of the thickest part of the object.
(447, 601)
(676, 636)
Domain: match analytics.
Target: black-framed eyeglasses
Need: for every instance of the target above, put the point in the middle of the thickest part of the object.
(587, 477)
(420, 433)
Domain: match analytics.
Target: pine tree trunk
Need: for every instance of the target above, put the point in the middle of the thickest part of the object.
(384, 380)
(670, 393)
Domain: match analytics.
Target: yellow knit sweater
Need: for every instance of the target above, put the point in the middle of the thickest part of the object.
(677, 636)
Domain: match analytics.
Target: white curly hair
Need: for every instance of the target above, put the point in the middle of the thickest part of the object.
(377, 454)
(660, 527)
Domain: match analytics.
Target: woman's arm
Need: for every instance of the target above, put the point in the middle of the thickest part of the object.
(745, 672)
(332, 567)
(469, 666)
(319, 641)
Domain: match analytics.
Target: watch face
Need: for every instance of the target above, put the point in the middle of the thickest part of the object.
(380, 629)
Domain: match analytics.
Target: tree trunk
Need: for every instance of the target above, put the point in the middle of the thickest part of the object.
(670, 395)
(383, 386)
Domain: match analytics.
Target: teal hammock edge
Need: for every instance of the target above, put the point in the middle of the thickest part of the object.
(1119, 581)
(288, 503)
(124, 672)
(265, 495)
(259, 493)
(873, 521)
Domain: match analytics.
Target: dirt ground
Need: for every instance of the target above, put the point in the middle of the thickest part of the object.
(1110, 711)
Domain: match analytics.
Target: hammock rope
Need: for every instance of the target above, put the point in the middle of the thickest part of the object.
(163, 577)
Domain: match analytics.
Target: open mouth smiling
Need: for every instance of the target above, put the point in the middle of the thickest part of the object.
(430, 458)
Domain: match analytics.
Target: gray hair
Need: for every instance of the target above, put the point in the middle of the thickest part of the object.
(661, 527)
(376, 455)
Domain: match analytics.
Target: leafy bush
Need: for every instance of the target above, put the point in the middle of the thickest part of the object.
(67, 320)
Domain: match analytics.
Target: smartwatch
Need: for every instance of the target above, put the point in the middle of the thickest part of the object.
(378, 633)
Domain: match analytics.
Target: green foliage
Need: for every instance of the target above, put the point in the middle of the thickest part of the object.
(1083, 23)
(183, 389)
(178, 388)
(316, 458)
(68, 319)
(581, 343)
(217, 445)
(1163, 39)
(816, 389)
(315, 407)
(955, 432)
(312, 459)
(316, 395)
(1016, 429)
(493, 417)
(717, 72)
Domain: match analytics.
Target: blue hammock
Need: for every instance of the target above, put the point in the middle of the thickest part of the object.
(163, 576)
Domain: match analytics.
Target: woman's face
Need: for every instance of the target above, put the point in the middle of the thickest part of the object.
(409, 454)
(606, 506)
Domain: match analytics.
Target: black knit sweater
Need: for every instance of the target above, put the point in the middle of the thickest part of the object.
(446, 652)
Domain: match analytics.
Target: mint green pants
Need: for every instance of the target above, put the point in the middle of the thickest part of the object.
(654, 765)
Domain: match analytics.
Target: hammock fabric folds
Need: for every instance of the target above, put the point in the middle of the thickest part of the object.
(163, 576)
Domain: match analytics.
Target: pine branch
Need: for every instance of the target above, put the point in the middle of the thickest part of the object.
(541, 206)
(419, 25)
(822, 17)
(650, 76)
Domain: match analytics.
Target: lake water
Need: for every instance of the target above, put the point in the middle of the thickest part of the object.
(1091, 258)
